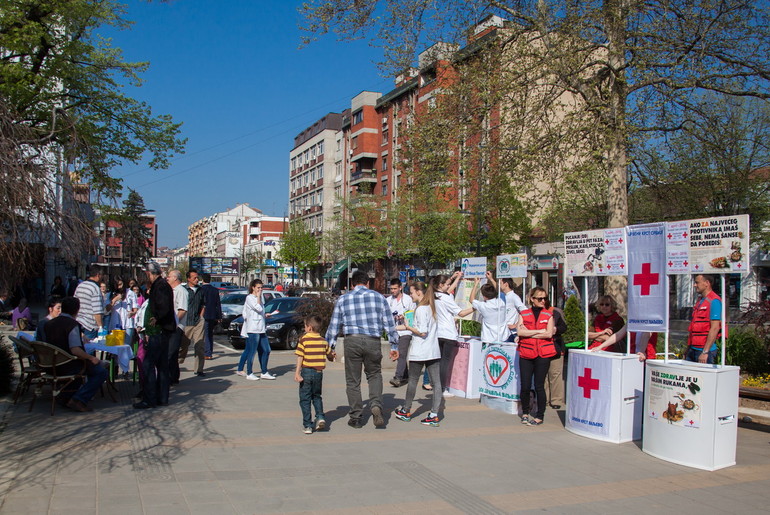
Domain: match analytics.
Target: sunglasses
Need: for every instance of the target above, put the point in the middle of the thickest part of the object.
(605, 304)
(539, 298)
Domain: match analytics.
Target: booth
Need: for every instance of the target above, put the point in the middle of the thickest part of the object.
(605, 393)
(604, 389)
(691, 413)
(464, 371)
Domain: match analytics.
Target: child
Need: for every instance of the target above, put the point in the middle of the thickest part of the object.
(312, 352)
(492, 310)
(423, 351)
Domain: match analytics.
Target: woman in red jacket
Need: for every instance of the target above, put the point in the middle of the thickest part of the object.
(607, 323)
(536, 348)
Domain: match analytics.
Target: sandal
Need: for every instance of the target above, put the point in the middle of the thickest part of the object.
(428, 387)
(534, 422)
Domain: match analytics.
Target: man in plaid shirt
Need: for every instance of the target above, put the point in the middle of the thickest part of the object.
(363, 314)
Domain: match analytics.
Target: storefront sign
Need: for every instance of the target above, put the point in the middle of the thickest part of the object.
(708, 245)
(596, 253)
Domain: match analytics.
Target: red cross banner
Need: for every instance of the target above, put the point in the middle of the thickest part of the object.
(647, 278)
(590, 381)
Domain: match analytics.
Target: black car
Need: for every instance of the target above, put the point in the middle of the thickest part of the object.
(284, 328)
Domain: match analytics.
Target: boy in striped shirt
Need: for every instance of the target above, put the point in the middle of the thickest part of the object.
(312, 352)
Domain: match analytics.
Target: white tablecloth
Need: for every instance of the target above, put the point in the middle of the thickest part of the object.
(123, 352)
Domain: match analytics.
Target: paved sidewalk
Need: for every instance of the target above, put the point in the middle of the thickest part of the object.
(227, 445)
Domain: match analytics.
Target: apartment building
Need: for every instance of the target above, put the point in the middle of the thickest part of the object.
(219, 234)
(110, 246)
(261, 236)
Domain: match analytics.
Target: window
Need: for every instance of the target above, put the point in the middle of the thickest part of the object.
(312, 152)
(321, 172)
(384, 135)
(320, 197)
(354, 142)
(320, 148)
(293, 163)
(385, 190)
(312, 175)
(384, 163)
(306, 176)
(269, 254)
(358, 117)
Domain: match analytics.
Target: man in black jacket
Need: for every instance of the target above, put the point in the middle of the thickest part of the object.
(159, 324)
(212, 314)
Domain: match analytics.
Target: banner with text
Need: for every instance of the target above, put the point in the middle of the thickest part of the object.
(590, 381)
(675, 397)
(596, 253)
(647, 278)
(511, 265)
(500, 371)
(473, 267)
(708, 245)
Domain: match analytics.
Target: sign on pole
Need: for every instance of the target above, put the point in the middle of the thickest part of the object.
(716, 245)
(599, 252)
(473, 267)
(647, 289)
(511, 265)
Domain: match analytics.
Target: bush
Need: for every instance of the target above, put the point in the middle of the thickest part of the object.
(470, 328)
(316, 306)
(576, 322)
(748, 350)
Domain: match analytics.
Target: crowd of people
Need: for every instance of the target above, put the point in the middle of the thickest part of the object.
(168, 317)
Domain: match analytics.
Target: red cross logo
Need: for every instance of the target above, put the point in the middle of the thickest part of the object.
(670, 264)
(738, 265)
(670, 236)
(609, 266)
(606, 242)
(646, 279)
(622, 266)
(685, 262)
(684, 235)
(620, 240)
(587, 383)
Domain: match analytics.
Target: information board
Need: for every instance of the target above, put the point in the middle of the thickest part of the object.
(598, 252)
(473, 267)
(708, 245)
(215, 265)
(511, 265)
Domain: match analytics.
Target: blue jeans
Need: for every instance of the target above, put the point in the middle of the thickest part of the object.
(96, 376)
(208, 337)
(310, 391)
(263, 350)
(247, 356)
(90, 334)
(693, 355)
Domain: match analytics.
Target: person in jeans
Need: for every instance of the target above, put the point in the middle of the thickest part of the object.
(423, 352)
(400, 303)
(364, 314)
(64, 332)
(253, 329)
(312, 352)
(536, 348)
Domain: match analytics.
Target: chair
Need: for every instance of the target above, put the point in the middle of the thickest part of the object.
(29, 372)
(48, 358)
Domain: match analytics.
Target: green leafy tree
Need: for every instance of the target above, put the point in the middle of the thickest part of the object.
(64, 82)
(251, 261)
(134, 234)
(299, 247)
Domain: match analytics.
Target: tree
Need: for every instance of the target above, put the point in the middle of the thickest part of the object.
(634, 66)
(63, 82)
(133, 231)
(298, 246)
(251, 260)
(576, 322)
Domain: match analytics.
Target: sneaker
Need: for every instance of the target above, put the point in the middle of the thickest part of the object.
(308, 430)
(525, 419)
(252, 377)
(240, 373)
(534, 422)
(447, 394)
(267, 375)
(402, 414)
(430, 420)
(320, 424)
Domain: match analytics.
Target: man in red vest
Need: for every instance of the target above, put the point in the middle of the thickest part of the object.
(706, 324)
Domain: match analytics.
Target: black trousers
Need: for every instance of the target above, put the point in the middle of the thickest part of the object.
(538, 368)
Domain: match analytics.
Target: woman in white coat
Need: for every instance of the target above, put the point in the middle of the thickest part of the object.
(423, 352)
(254, 331)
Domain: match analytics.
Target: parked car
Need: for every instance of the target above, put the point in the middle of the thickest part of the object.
(232, 305)
(283, 327)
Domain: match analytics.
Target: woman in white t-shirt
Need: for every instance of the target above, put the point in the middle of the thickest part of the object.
(254, 330)
(423, 352)
(446, 311)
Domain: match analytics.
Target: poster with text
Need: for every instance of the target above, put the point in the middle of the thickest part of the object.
(598, 252)
(473, 267)
(511, 265)
(457, 373)
(717, 245)
(675, 397)
(500, 371)
(647, 285)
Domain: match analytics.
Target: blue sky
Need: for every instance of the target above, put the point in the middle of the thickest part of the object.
(231, 71)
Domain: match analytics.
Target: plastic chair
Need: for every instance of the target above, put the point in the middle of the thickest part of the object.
(29, 372)
(48, 358)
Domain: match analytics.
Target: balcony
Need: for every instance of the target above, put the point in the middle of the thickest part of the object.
(363, 176)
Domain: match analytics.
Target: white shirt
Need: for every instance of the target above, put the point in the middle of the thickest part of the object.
(399, 307)
(446, 310)
(424, 349)
(132, 303)
(180, 302)
(493, 316)
(513, 306)
(253, 316)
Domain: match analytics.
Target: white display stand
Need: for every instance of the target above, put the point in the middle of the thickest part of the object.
(464, 375)
(696, 429)
(604, 392)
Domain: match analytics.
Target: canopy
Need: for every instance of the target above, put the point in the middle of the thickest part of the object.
(336, 269)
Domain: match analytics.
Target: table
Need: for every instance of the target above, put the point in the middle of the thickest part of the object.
(604, 395)
(691, 413)
(464, 370)
(124, 353)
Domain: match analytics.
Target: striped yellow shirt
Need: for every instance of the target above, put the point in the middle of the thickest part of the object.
(313, 349)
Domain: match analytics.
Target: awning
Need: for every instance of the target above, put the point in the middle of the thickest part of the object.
(337, 269)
